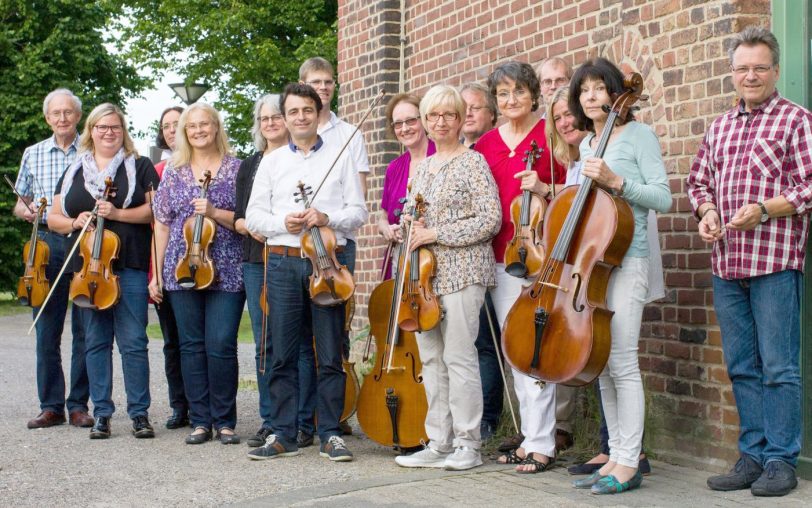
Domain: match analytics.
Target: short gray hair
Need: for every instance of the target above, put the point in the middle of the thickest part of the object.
(77, 103)
(490, 100)
(752, 36)
(272, 101)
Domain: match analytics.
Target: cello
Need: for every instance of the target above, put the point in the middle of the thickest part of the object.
(95, 286)
(195, 270)
(558, 330)
(524, 253)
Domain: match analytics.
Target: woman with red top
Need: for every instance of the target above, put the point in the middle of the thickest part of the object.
(517, 91)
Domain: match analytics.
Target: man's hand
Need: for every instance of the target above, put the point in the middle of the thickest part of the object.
(294, 222)
(746, 218)
(313, 217)
(710, 227)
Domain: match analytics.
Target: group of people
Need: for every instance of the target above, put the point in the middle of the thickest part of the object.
(469, 171)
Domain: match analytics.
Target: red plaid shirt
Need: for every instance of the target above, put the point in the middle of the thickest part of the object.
(747, 158)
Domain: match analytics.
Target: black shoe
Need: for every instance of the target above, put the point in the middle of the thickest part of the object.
(178, 420)
(486, 431)
(141, 428)
(303, 439)
(259, 438)
(740, 477)
(778, 479)
(101, 429)
(199, 438)
(644, 466)
(589, 468)
(227, 438)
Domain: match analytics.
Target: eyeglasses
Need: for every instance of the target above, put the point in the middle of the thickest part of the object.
(272, 118)
(316, 83)
(743, 70)
(67, 114)
(409, 122)
(103, 129)
(198, 126)
(167, 126)
(475, 109)
(554, 82)
(435, 117)
(518, 94)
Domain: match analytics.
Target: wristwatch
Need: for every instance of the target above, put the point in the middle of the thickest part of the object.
(764, 215)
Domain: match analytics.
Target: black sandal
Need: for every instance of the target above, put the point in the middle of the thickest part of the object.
(538, 467)
(510, 457)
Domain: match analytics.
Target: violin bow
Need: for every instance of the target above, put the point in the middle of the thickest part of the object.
(501, 367)
(155, 270)
(552, 166)
(263, 357)
(346, 143)
(14, 190)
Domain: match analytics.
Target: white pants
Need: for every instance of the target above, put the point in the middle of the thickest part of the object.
(620, 382)
(451, 372)
(536, 404)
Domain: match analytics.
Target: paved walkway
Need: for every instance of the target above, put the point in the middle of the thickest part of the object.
(61, 466)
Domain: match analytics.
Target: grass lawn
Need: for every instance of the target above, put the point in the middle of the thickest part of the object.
(244, 335)
(10, 307)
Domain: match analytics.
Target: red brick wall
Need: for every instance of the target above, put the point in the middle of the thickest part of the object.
(680, 48)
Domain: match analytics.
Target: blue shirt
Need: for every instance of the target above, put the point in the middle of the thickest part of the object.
(42, 167)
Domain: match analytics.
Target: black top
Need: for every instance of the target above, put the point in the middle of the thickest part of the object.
(251, 249)
(135, 238)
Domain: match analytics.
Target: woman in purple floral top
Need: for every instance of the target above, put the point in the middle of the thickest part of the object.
(207, 319)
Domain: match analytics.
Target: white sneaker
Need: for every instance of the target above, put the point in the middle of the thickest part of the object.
(427, 457)
(463, 458)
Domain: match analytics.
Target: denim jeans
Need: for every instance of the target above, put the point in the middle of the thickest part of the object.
(290, 300)
(493, 387)
(127, 322)
(174, 376)
(208, 322)
(253, 279)
(307, 360)
(759, 318)
(50, 379)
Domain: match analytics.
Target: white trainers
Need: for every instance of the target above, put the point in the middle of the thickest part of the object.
(463, 458)
(427, 457)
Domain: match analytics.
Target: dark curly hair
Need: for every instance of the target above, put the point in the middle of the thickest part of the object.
(522, 74)
(160, 141)
(300, 90)
(599, 69)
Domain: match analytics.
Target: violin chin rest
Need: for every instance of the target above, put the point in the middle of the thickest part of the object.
(83, 301)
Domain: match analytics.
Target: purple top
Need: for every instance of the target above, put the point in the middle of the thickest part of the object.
(173, 205)
(394, 184)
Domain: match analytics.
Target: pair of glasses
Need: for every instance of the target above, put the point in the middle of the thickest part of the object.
(448, 116)
(67, 114)
(103, 129)
(743, 70)
(316, 83)
(409, 122)
(272, 118)
(167, 126)
(475, 109)
(198, 126)
(518, 94)
(554, 82)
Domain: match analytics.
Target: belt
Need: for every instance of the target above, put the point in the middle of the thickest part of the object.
(283, 250)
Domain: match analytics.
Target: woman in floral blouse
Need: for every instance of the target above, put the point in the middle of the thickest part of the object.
(461, 217)
(207, 319)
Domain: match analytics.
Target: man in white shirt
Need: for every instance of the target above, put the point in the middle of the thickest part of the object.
(276, 212)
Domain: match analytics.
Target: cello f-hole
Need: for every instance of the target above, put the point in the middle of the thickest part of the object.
(417, 377)
(575, 306)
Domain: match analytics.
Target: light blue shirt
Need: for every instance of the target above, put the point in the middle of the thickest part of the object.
(42, 167)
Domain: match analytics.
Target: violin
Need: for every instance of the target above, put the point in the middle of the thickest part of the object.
(95, 286)
(524, 252)
(558, 330)
(33, 285)
(419, 308)
(195, 270)
(331, 283)
(392, 405)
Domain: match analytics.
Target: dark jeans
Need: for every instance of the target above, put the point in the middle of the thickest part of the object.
(307, 360)
(493, 388)
(174, 376)
(289, 298)
(252, 277)
(50, 379)
(127, 322)
(207, 323)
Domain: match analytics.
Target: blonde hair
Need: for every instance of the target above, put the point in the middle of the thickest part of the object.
(183, 151)
(439, 95)
(561, 150)
(99, 112)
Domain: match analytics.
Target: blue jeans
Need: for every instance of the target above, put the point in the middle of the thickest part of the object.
(307, 360)
(208, 322)
(174, 376)
(489, 358)
(759, 318)
(289, 298)
(127, 322)
(50, 379)
(252, 278)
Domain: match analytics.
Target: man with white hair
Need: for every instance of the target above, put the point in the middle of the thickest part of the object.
(41, 167)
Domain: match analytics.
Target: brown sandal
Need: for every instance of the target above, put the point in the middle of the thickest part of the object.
(511, 443)
(510, 457)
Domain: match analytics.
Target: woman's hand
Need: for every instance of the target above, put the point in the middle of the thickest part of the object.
(390, 232)
(106, 209)
(81, 219)
(530, 182)
(203, 207)
(421, 235)
(597, 170)
(155, 290)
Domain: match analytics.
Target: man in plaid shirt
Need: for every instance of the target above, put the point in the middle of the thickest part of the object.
(751, 188)
(40, 170)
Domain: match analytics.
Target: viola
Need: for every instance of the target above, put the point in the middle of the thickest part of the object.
(331, 283)
(419, 308)
(524, 253)
(195, 270)
(95, 286)
(559, 328)
(33, 285)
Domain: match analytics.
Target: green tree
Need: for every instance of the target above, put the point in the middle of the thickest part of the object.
(242, 48)
(46, 44)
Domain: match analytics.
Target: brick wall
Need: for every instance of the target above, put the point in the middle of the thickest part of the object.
(680, 48)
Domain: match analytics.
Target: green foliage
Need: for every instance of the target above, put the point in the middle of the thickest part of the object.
(46, 44)
(241, 48)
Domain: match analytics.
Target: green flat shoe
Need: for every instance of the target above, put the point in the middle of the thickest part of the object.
(610, 485)
(589, 481)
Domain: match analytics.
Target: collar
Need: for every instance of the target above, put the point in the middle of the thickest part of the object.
(50, 143)
(765, 107)
(314, 148)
